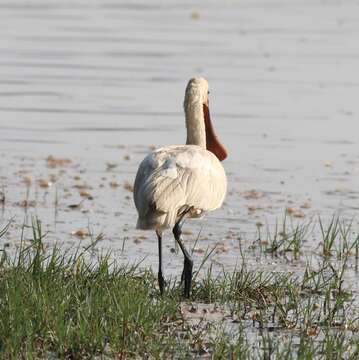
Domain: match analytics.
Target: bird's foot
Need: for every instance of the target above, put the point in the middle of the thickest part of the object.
(187, 275)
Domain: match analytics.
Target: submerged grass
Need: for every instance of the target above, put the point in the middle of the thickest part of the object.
(56, 305)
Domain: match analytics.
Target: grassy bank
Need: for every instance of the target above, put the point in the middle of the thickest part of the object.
(60, 306)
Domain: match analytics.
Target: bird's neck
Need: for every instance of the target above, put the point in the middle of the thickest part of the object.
(196, 132)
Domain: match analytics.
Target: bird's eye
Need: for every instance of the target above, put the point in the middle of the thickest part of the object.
(208, 92)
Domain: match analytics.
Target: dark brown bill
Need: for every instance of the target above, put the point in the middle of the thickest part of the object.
(213, 144)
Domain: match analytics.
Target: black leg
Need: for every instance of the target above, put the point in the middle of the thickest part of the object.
(161, 280)
(188, 263)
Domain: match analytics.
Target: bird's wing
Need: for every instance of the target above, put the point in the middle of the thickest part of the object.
(182, 176)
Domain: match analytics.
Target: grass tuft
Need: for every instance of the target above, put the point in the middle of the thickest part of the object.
(56, 305)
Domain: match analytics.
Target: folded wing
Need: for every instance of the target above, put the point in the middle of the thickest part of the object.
(175, 177)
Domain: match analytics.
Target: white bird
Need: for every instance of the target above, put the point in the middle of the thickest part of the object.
(181, 181)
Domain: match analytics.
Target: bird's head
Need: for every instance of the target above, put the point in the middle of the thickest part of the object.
(196, 96)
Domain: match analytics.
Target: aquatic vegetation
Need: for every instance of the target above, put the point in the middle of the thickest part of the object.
(65, 306)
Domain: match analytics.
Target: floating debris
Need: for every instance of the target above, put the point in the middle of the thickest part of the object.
(81, 233)
(253, 194)
(199, 251)
(27, 203)
(195, 15)
(44, 183)
(111, 166)
(128, 186)
(86, 194)
(313, 331)
(328, 164)
(27, 180)
(306, 205)
(114, 184)
(53, 162)
(295, 212)
(74, 206)
(82, 186)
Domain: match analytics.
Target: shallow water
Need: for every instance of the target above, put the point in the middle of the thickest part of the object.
(102, 82)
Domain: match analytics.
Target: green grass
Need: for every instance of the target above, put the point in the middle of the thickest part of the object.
(56, 305)
(61, 304)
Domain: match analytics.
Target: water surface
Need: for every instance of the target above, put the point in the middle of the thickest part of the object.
(102, 82)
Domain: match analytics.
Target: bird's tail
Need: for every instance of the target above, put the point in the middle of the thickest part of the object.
(157, 221)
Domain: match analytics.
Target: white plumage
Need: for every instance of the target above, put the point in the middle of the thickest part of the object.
(180, 181)
(174, 178)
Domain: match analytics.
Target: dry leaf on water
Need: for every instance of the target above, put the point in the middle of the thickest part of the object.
(128, 186)
(44, 183)
(110, 166)
(253, 194)
(53, 162)
(27, 180)
(82, 186)
(295, 212)
(74, 206)
(328, 164)
(86, 194)
(114, 184)
(81, 233)
(27, 203)
(199, 251)
(195, 15)
(313, 331)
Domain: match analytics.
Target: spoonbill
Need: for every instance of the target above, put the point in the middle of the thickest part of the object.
(182, 181)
